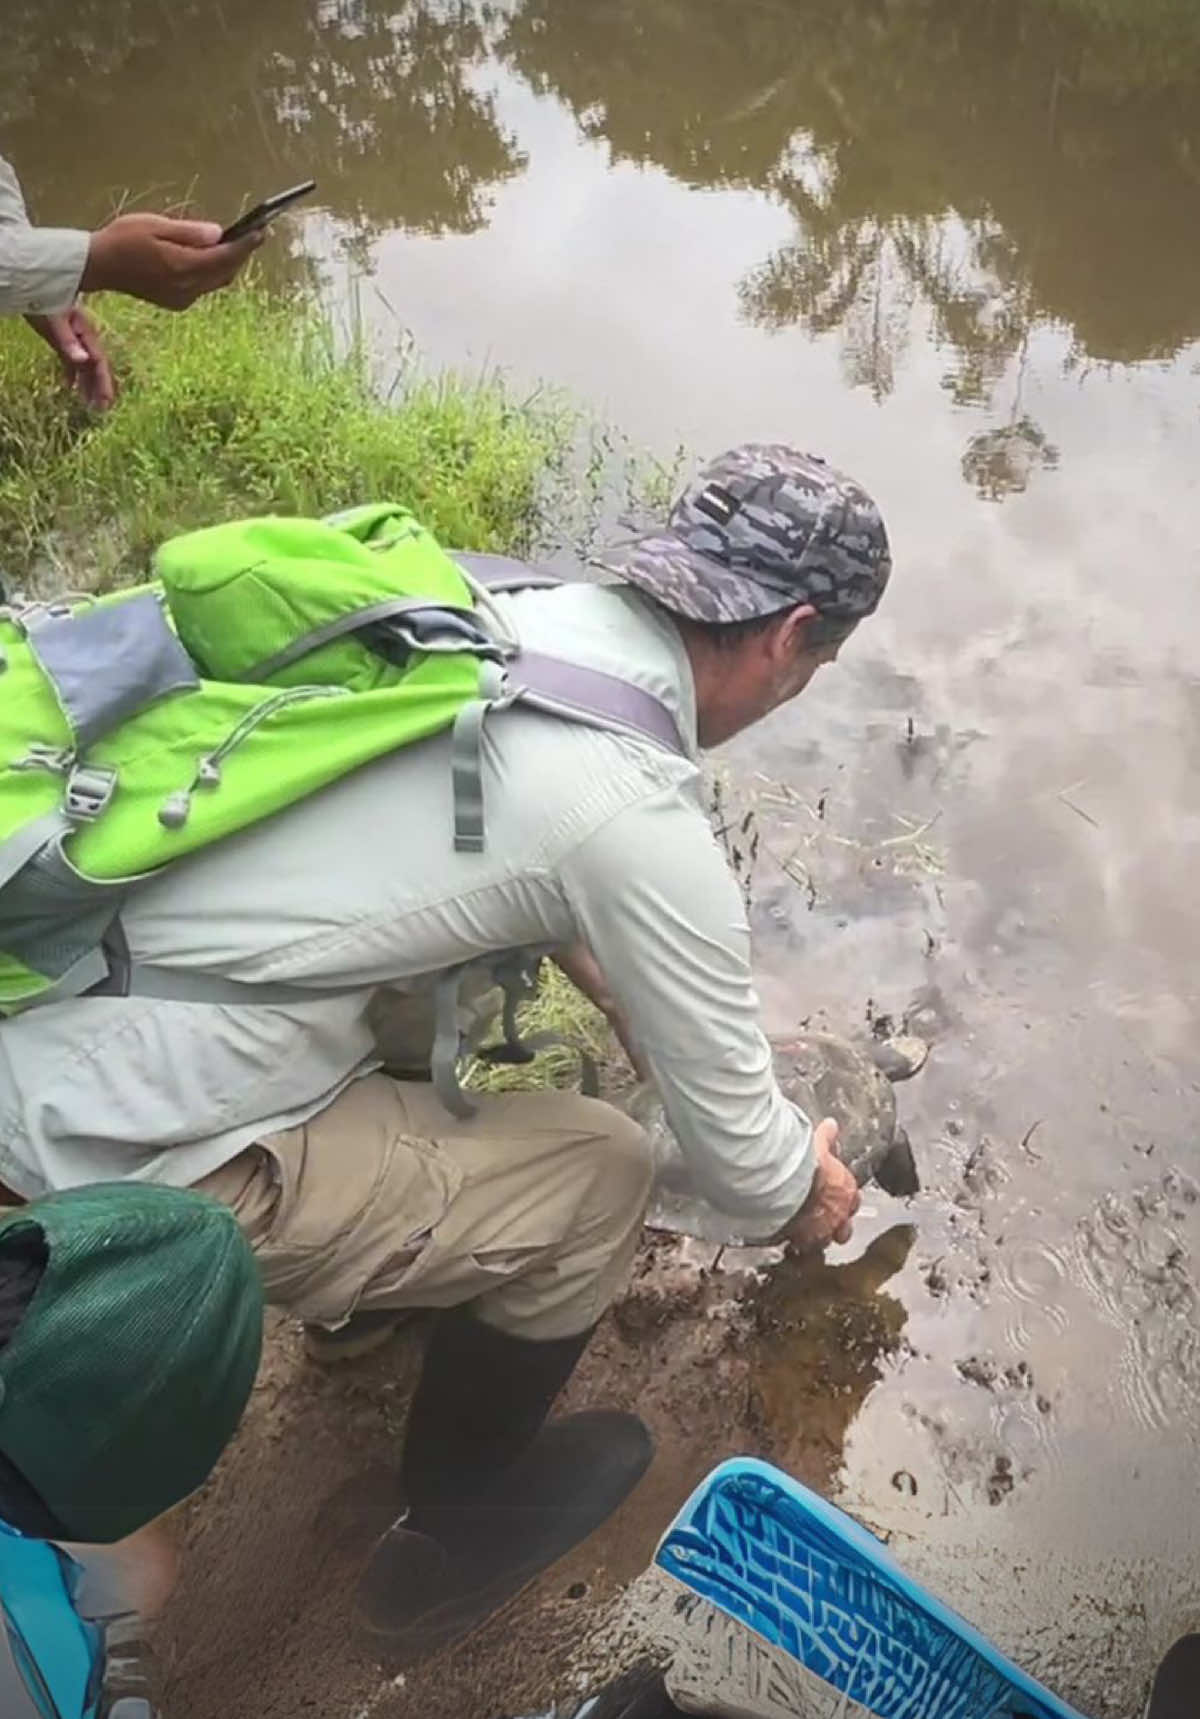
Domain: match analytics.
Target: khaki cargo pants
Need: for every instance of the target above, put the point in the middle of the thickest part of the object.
(531, 1210)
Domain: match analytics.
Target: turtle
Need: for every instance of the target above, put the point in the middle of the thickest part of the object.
(825, 1075)
(829, 1076)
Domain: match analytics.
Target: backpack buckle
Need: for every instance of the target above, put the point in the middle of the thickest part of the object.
(56, 759)
(90, 787)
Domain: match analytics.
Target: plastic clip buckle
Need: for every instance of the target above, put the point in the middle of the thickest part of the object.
(89, 790)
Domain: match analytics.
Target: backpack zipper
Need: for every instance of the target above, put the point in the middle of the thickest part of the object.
(173, 813)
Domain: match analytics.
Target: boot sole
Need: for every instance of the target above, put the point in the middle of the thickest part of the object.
(421, 1637)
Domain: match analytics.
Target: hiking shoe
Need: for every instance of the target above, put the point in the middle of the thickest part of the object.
(443, 1571)
(361, 1335)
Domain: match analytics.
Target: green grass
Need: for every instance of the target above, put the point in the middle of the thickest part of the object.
(557, 1007)
(245, 405)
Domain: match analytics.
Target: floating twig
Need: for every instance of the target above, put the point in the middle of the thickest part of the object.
(1079, 811)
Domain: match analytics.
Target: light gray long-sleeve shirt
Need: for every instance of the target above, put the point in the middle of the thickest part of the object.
(590, 835)
(40, 267)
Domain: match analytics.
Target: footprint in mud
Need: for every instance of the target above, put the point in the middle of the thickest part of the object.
(994, 1376)
(1021, 1414)
(1000, 1481)
(1136, 1255)
(964, 1269)
(981, 1465)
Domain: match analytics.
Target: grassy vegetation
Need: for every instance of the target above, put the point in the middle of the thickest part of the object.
(245, 405)
(558, 1007)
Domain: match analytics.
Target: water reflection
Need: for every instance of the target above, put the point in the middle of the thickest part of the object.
(375, 100)
(959, 174)
(985, 166)
(825, 1333)
(1067, 147)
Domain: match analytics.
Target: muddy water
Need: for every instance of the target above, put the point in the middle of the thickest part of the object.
(954, 245)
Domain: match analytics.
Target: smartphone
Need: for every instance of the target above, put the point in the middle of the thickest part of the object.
(264, 213)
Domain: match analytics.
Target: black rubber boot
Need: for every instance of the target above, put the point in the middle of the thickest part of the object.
(495, 1496)
(1176, 1692)
(481, 1398)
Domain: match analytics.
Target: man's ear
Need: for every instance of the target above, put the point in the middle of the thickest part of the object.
(789, 638)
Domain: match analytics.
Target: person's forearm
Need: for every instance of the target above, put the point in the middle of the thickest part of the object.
(657, 906)
(40, 267)
(583, 970)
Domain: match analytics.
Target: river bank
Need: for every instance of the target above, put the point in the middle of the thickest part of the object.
(253, 403)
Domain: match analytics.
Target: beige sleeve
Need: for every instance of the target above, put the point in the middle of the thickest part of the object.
(40, 267)
(656, 903)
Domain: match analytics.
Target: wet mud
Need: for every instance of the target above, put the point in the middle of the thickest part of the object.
(262, 1621)
(720, 1350)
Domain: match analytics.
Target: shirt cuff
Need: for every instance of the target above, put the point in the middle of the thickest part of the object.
(41, 268)
(789, 1193)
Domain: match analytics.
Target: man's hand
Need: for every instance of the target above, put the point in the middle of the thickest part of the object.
(167, 262)
(73, 336)
(832, 1200)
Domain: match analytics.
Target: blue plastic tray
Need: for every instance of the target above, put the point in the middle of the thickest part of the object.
(804, 1575)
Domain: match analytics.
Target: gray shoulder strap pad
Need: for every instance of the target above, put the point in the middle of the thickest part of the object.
(568, 689)
(591, 696)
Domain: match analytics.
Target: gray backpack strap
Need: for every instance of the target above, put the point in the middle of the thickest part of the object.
(414, 611)
(447, 1044)
(19, 848)
(558, 688)
(466, 757)
(503, 573)
(550, 684)
(517, 975)
(565, 688)
(128, 978)
(181, 985)
(81, 977)
(593, 697)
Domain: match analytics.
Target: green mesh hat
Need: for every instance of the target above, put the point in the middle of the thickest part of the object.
(136, 1323)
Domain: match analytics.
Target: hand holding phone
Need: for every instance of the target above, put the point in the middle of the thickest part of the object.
(262, 214)
(161, 259)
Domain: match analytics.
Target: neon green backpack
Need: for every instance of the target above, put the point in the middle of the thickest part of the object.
(267, 659)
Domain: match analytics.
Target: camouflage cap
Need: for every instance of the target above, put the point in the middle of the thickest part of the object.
(763, 528)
